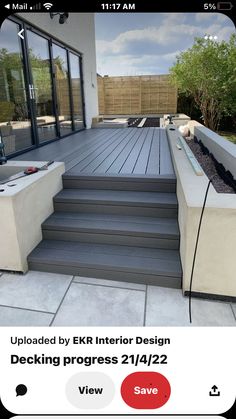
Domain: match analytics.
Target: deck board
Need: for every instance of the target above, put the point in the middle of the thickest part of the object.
(126, 151)
(153, 164)
(130, 162)
(117, 164)
(108, 154)
(166, 165)
(142, 160)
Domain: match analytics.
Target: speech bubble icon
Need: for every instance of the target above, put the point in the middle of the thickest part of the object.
(21, 390)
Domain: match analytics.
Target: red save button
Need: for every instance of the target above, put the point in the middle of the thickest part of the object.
(145, 390)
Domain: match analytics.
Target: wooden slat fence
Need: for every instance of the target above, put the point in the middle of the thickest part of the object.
(136, 95)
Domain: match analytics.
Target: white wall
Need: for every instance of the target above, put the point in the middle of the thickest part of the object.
(79, 33)
(215, 265)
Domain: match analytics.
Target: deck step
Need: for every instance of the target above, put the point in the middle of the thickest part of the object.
(123, 263)
(153, 204)
(113, 229)
(160, 183)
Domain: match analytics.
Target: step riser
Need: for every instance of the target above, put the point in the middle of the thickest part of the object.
(119, 185)
(158, 280)
(115, 209)
(113, 239)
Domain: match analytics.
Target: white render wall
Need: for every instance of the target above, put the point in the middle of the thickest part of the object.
(23, 209)
(215, 265)
(78, 32)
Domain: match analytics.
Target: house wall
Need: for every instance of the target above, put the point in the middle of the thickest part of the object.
(79, 33)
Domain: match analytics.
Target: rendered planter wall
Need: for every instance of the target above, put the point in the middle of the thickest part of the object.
(215, 268)
(23, 208)
(223, 150)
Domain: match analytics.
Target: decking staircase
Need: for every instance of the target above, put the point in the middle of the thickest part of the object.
(113, 227)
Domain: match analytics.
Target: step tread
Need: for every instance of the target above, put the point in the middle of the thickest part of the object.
(121, 177)
(163, 199)
(119, 258)
(113, 224)
(111, 249)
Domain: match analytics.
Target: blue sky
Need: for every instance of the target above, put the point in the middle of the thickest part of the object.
(147, 43)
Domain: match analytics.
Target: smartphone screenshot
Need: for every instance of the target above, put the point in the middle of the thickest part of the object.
(117, 209)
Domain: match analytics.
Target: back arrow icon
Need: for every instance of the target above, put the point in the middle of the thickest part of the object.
(20, 34)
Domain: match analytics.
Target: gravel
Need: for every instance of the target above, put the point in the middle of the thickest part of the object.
(150, 122)
(134, 122)
(208, 165)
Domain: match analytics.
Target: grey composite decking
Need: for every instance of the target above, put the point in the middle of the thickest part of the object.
(124, 263)
(112, 229)
(127, 235)
(116, 216)
(131, 151)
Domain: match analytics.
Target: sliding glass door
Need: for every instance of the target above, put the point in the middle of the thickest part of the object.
(41, 95)
(63, 89)
(41, 92)
(75, 70)
(15, 114)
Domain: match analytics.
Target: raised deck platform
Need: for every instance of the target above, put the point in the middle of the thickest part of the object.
(116, 217)
(142, 151)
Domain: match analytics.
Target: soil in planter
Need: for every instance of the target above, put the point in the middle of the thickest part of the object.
(152, 122)
(208, 165)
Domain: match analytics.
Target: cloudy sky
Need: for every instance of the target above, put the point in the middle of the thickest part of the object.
(147, 43)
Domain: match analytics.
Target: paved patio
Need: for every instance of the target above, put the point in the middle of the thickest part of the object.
(45, 299)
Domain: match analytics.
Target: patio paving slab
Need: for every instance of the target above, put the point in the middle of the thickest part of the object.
(34, 290)
(108, 283)
(234, 309)
(91, 305)
(18, 317)
(167, 307)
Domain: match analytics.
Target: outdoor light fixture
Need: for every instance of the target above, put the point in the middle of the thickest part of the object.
(63, 16)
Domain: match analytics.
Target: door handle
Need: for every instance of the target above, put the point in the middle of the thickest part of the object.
(31, 91)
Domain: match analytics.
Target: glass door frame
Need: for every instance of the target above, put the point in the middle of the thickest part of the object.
(80, 59)
(68, 49)
(54, 42)
(27, 28)
(70, 87)
(29, 81)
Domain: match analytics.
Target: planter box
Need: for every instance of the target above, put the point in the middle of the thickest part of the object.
(223, 150)
(23, 208)
(215, 265)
